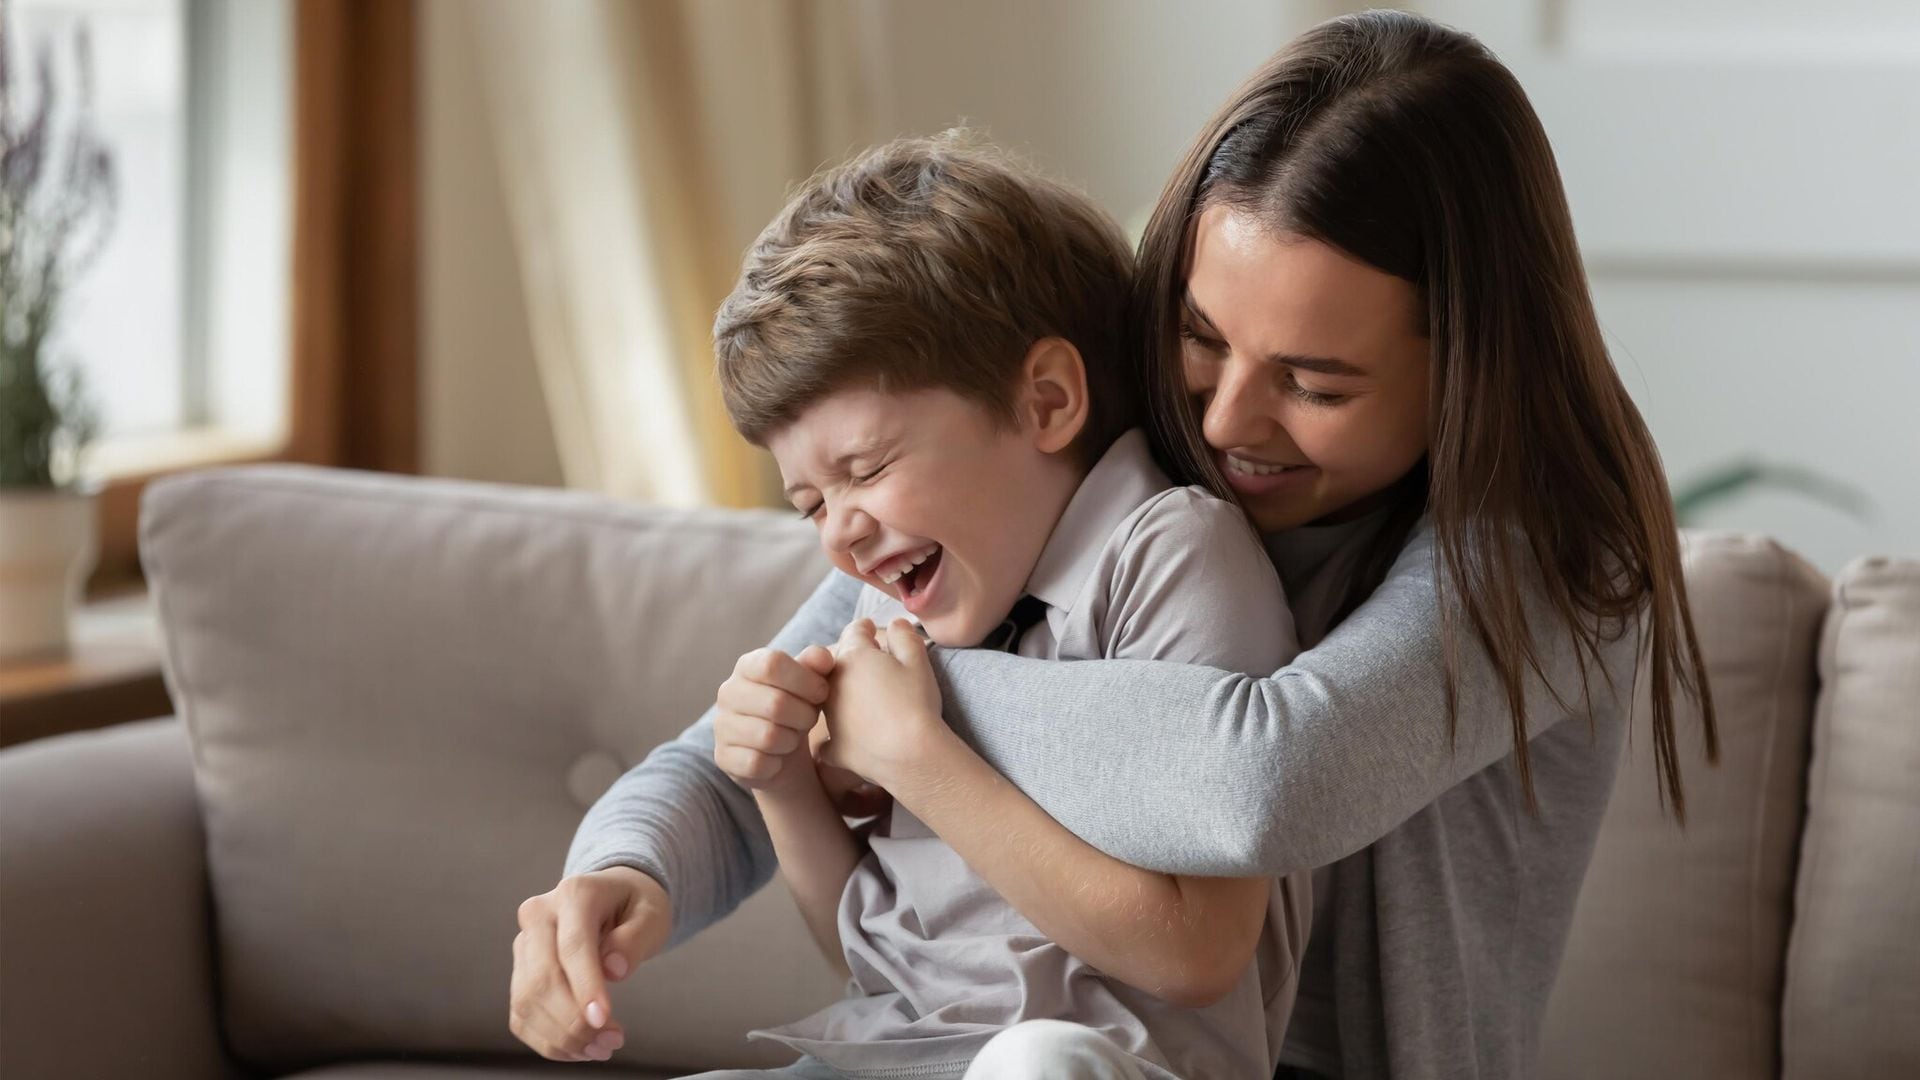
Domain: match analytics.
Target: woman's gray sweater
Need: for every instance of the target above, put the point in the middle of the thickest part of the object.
(1451, 903)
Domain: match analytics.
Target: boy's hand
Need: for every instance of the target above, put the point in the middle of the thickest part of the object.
(885, 705)
(588, 930)
(767, 706)
(851, 795)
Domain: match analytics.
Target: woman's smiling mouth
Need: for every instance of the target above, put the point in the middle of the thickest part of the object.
(1250, 477)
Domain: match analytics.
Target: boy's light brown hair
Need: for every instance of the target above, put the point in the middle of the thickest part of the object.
(926, 263)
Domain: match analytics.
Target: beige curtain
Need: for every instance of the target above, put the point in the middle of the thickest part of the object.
(642, 144)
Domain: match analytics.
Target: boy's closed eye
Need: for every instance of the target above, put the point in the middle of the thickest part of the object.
(807, 512)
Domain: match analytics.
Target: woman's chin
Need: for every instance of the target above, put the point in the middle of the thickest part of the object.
(1278, 515)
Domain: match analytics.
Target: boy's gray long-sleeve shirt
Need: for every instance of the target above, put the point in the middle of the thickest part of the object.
(1451, 903)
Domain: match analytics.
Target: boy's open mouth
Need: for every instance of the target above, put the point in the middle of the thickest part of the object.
(915, 580)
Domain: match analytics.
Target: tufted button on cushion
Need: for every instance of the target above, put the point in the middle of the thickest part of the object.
(591, 774)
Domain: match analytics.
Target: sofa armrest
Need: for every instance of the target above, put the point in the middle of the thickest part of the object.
(108, 968)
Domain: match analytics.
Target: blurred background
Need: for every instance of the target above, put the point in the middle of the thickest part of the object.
(484, 238)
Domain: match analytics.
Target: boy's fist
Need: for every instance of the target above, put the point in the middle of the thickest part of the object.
(767, 707)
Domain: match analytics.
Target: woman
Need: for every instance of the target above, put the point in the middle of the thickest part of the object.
(1365, 318)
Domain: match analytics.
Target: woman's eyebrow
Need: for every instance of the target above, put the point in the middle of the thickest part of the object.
(1325, 365)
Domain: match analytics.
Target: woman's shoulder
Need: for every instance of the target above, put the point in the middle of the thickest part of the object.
(1419, 591)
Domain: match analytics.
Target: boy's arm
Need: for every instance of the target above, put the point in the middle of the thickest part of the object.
(677, 818)
(1181, 938)
(1194, 585)
(817, 853)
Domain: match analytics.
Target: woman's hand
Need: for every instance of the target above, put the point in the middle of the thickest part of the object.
(766, 708)
(883, 716)
(587, 931)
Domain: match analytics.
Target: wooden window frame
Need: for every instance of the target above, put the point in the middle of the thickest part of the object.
(353, 394)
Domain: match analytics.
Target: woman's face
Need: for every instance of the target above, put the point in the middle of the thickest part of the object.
(1309, 367)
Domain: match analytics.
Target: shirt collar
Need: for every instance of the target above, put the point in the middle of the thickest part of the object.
(1122, 480)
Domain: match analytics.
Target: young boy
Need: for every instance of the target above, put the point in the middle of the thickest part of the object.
(932, 346)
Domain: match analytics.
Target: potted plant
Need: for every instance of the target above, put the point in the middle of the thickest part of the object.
(56, 207)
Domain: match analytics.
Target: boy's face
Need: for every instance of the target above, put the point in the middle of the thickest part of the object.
(925, 495)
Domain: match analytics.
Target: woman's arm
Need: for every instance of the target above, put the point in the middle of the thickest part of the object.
(1260, 776)
(817, 853)
(1184, 939)
(677, 818)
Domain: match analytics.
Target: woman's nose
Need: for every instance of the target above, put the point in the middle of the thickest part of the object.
(1240, 411)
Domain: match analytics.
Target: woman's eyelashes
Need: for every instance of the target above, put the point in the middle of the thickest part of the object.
(1192, 337)
(1312, 397)
(1189, 334)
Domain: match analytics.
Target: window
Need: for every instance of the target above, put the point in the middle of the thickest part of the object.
(262, 304)
(181, 324)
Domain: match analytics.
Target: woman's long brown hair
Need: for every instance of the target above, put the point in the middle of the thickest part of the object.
(1407, 145)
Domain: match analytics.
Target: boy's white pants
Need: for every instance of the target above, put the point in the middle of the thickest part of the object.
(1029, 1050)
(1052, 1050)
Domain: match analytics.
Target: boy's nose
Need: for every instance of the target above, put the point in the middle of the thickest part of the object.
(846, 528)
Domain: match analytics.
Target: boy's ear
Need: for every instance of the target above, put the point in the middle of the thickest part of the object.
(1053, 399)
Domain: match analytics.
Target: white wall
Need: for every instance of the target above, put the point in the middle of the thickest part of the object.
(1102, 93)
(1744, 322)
(1821, 375)
(1761, 297)
(1742, 175)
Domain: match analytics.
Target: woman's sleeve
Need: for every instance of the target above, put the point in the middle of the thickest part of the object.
(678, 818)
(1193, 770)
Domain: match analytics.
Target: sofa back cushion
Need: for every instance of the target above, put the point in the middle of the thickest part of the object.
(1673, 963)
(1853, 968)
(402, 695)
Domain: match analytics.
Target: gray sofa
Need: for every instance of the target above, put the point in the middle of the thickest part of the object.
(397, 697)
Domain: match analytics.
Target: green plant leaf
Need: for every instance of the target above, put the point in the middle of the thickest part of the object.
(1726, 482)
